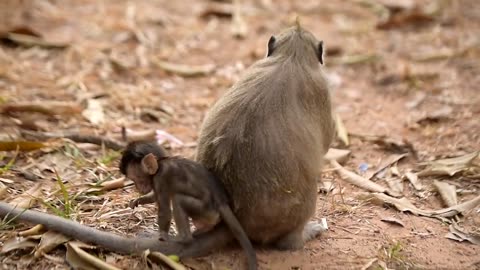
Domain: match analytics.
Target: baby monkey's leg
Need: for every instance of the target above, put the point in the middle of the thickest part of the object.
(184, 207)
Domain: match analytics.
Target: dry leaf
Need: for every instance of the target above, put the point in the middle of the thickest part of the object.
(393, 220)
(185, 70)
(49, 241)
(447, 192)
(217, 9)
(413, 178)
(341, 130)
(110, 185)
(158, 258)
(20, 146)
(403, 204)
(385, 163)
(440, 114)
(239, 26)
(94, 112)
(339, 155)
(449, 166)
(387, 143)
(358, 180)
(18, 243)
(369, 264)
(27, 199)
(413, 15)
(50, 108)
(456, 233)
(3, 190)
(162, 136)
(77, 258)
(35, 230)
(419, 98)
(28, 37)
(395, 184)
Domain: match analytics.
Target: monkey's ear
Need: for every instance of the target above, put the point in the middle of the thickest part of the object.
(150, 164)
(320, 51)
(271, 44)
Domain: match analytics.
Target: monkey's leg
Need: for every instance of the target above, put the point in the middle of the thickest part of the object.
(164, 215)
(182, 204)
(297, 238)
(208, 242)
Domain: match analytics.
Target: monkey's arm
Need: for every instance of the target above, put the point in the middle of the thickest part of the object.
(145, 199)
(84, 233)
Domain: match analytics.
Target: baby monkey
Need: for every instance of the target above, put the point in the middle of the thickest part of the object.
(187, 186)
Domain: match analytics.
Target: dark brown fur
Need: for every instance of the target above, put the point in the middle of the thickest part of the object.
(190, 188)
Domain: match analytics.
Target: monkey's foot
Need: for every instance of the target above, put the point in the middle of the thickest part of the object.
(313, 229)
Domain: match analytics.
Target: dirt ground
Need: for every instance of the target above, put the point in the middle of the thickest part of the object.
(409, 72)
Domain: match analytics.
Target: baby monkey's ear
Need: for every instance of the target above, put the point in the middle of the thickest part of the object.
(271, 45)
(149, 164)
(320, 51)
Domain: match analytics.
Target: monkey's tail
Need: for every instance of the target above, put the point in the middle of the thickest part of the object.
(109, 241)
(237, 230)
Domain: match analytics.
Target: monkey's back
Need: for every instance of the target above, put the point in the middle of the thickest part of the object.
(264, 140)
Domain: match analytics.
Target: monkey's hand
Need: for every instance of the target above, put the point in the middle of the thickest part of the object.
(134, 203)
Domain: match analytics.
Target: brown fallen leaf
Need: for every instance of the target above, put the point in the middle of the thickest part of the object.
(239, 26)
(339, 155)
(35, 230)
(159, 258)
(354, 59)
(395, 184)
(448, 166)
(21, 146)
(435, 116)
(217, 9)
(3, 190)
(28, 198)
(26, 36)
(385, 163)
(393, 220)
(447, 192)
(110, 185)
(79, 138)
(369, 264)
(409, 15)
(49, 241)
(49, 108)
(94, 112)
(77, 258)
(15, 243)
(184, 70)
(458, 234)
(359, 181)
(341, 130)
(387, 143)
(403, 205)
(413, 178)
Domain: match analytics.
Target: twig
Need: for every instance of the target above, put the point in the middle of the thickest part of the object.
(79, 138)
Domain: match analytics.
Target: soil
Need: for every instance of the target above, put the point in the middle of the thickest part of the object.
(386, 82)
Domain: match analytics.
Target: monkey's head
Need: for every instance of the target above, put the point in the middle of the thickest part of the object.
(296, 41)
(139, 163)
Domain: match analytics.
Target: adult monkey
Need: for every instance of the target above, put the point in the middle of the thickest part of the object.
(265, 139)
